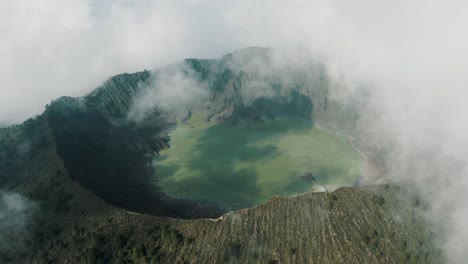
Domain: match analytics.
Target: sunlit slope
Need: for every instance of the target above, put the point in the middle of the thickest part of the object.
(245, 164)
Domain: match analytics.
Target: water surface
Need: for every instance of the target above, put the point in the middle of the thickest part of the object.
(245, 164)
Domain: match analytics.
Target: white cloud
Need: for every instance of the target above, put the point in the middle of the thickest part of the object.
(15, 222)
(171, 89)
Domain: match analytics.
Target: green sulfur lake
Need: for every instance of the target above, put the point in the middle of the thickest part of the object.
(245, 164)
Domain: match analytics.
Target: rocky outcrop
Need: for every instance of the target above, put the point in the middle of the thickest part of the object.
(115, 97)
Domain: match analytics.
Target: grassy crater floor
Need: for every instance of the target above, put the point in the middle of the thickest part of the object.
(247, 163)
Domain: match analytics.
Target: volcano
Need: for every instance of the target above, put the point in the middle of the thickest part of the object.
(241, 159)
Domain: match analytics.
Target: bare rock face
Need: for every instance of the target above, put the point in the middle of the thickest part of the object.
(115, 96)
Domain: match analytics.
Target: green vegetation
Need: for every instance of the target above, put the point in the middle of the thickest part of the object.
(247, 163)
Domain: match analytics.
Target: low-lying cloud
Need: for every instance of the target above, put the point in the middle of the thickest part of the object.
(169, 89)
(16, 212)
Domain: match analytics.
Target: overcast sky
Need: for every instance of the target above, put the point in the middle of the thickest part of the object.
(413, 55)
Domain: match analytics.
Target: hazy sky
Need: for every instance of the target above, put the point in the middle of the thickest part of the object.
(413, 55)
(51, 48)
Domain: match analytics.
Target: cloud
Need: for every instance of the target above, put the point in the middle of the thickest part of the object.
(263, 69)
(15, 223)
(170, 89)
(411, 56)
(53, 48)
